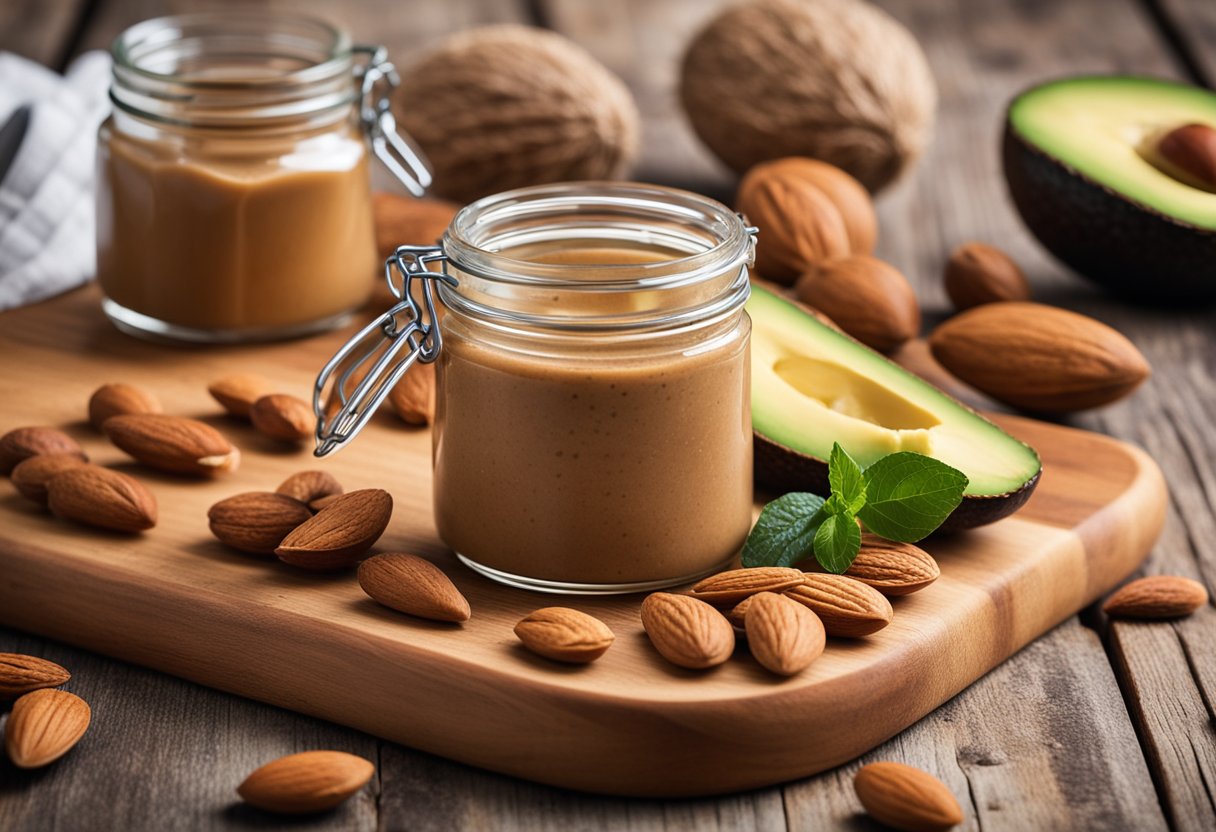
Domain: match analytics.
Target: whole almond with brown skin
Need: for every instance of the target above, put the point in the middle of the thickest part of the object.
(283, 417)
(309, 486)
(847, 608)
(1157, 597)
(30, 476)
(1191, 151)
(726, 589)
(783, 635)
(20, 674)
(236, 394)
(413, 585)
(413, 398)
(565, 635)
(906, 798)
(686, 631)
(799, 224)
(43, 726)
(338, 535)
(1038, 357)
(20, 444)
(116, 399)
(403, 220)
(256, 521)
(312, 781)
(977, 273)
(867, 298)
(100, 497)
(737, 615)
(848, 195)
(893, 568)
(173, 443)
(322, 502)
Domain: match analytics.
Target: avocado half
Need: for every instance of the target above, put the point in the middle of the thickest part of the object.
(812, 385)
(1078, 161)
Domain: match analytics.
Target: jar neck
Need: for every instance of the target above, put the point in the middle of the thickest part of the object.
(250, 71)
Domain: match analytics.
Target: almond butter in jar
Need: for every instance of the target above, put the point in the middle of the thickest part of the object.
(233, 197)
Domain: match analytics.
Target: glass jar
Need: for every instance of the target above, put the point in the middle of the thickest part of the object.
(233, 197)
(593, 422)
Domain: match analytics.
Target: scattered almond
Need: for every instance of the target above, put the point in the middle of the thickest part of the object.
(30, 476)
(100, 497)
(848, 195)
(906, 798)
(1039, 357)
(1157, 597)
(893, 568)
(867, 298)
(310, 486)
(847, 608)
(256, 521)
(118, 399)
(783, 635)
(565, 635)
(43, 726)
(20, 674)
(729, 588)
(236, 394)
(283, 417)
(173, 443)
(413, 585)
(687, 632)
(20, 444)
(413, 398)
(312, 781)
(977, 273)
(338, 535)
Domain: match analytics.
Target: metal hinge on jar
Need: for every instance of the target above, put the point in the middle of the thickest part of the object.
(378, 77)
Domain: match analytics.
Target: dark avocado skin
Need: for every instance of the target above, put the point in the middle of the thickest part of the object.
(1125, 246)
(782, 470)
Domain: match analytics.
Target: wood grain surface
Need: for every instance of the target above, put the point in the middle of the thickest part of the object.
(1093, 738)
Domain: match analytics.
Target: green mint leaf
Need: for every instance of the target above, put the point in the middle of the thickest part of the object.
(846, 480)
(785, 532)
(837, 542)
(908, 495)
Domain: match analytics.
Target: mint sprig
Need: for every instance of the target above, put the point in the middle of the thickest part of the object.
(903, 496)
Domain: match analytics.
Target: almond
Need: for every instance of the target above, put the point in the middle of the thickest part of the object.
(1190, 150)
(977, 273)
(1157, 597)
(906, 798)
(256, 521)
(848, 195)
(413, 398)
(43, 726)
(686, 631)
(283, 417)
(312, 781)
(309, 486)
(413, 585)
(322, 502)
(783, 635)
(100, 497)
(737, 615)
(118, 399)
(1038, 357)
(867, 298)
(173, 443)
(339, 534)
(236, 394)
(847, 608)
(565, 635)
(20, 674)
(22, 443)
(893, 568)
(729, 588)
(30, 476)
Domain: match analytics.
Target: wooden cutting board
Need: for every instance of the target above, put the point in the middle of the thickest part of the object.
(176, 600)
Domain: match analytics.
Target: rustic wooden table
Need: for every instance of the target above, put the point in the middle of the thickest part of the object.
(1094, 726)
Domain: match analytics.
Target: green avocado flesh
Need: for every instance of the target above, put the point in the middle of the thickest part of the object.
(1104, 126)
(812, 386)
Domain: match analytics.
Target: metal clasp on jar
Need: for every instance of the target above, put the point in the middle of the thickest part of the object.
(378, 77)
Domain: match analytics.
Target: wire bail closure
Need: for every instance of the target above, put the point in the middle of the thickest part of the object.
(369, 361)
(378, 77)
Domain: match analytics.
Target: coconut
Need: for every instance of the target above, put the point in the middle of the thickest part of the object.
(836, 80)
(501, 107)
